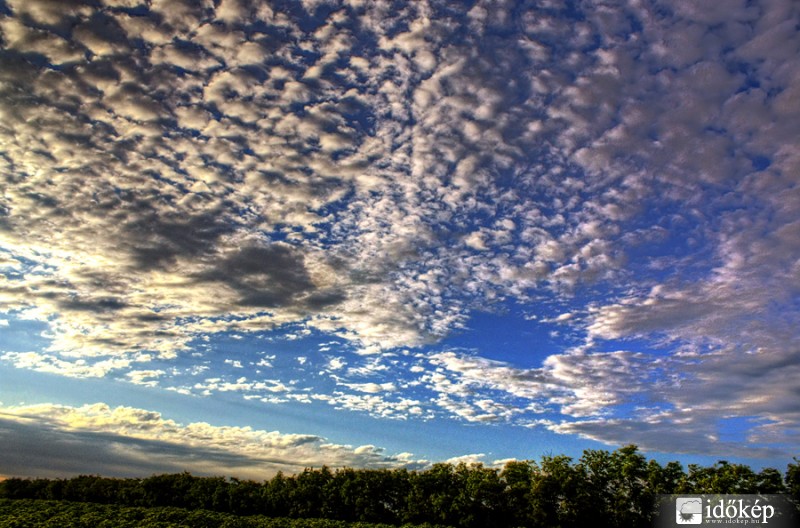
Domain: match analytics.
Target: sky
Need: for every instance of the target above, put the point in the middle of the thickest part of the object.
(243, 237)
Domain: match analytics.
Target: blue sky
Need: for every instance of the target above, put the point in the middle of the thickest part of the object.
(242, 237)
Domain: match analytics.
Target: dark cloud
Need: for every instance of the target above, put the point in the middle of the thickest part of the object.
(268, 276)
(102, 35)
(156, 241)
(39, 450)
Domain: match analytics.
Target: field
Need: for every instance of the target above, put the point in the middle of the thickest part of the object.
(29, 513)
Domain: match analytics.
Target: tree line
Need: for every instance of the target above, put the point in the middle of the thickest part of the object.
(602, 489)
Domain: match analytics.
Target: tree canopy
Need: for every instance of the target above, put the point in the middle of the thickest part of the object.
(601, 489)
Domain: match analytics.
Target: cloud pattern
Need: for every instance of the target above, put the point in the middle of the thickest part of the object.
(377, 172)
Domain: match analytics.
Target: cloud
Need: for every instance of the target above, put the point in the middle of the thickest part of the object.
(471, 459)
(371, 388)
(79, 368)
(572, 385)
(185, 55)
(54, 440)
(186, 169)
(49, 12)
(377, 405)
(250, 389)
(175, 224)
(24, 39)
(145, 377)
(689, 432)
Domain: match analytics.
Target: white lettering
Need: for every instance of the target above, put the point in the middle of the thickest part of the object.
(743, 510)
(718, 511)
(771, 512)
(756, 509)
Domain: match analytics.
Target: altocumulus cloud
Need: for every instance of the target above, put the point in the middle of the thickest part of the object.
(377, 172)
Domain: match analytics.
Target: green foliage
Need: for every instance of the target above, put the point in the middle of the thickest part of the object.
(560, 493)
(665, 480)
(518, 493)
(63, 514)
(602, 489)
(793, 481)
(724, 477)
(621, 480)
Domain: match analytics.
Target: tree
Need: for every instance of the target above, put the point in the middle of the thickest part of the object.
(168, 490)
(86, 488)
(431, 495)
(244, 497)
(769, 480)
(599, 475)
(793, 481)
(276, 496)
(722, 477)
(603, 489)
(15, 488)
(559, 495)
(518, 479)
(478, 502)
(310, 494)
(632, 499)
(665, 480)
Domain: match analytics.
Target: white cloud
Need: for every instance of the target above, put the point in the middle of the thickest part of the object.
(183, 56)
(377, 405)
(48, 12)
(475, 458)
(475, 241)
(127, 434)
(337, 363)
(371, 388)
(250, 389)
(232, 11)
(145, 377)
(25, 39)
(78, 368)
